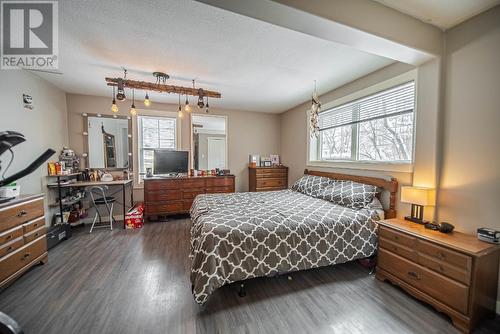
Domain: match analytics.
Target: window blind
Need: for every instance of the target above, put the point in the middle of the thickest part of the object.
(391, 102)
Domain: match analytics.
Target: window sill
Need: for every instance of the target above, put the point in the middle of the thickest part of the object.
(365, 165)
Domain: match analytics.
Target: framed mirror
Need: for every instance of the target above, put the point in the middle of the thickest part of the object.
(208, 142)
(108, 141)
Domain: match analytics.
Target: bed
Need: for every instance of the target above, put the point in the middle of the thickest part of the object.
(239, 236)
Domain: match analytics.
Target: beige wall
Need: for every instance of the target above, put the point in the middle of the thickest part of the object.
(469, 195)
(44, 127)
(248, 132)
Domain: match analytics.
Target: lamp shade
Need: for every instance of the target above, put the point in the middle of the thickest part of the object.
(418, 195)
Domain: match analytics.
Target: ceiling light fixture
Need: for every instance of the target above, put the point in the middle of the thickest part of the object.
(114, 107)
(120, 95)
(133, 112)
(180, 109)
(147, 102)
(201, 104)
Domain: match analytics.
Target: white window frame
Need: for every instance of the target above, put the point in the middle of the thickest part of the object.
(138, 134)
(313, 148)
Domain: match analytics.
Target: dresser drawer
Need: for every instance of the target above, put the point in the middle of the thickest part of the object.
(10, 235)
(161, 184)
(186, 205)
(163, 195)
(29, 237)
(264, 171)
(444, 268)
(397, 237)
(22, 257)
(11, 246)
(437, 286)
(20, 213)
(399, 249)
(159, 208)
(192, 193)
(266, 183)
(215, 190)
(33, 225)
(444, 254)
(272, 174)
(194, 183)
(219, 182)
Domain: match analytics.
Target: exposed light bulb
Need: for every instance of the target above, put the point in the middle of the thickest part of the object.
(187, 107)
(180, 114)
(147, 102)
(133, 112)
(114, 107)
(208, 107)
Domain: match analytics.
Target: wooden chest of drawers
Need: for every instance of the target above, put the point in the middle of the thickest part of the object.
(267, 178)
(456, 273)
(164, 196)
(22, 237)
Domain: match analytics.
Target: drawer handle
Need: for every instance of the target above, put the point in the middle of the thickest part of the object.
(26, 255)
(395, 248)
(414, 275)
(9, 248)
(441, 267)
(396, 237)
(22, 213)
(35, 224)
(36, 234)
(8, 237)
(440, 256)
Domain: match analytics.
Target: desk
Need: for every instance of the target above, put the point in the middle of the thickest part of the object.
(123, 183)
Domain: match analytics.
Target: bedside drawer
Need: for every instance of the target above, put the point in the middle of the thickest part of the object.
(397, 237)
(435, 285)
(10, 235)
(444, 254)
(444, 268)
(404, 251)
(11, 246)
(20, 213)
(33, 225)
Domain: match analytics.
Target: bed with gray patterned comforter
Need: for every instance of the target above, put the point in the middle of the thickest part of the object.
(243, 235)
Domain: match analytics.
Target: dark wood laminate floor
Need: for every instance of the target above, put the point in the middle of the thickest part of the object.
(138, 282)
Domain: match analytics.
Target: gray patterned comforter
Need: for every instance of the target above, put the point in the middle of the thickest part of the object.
(243, 235)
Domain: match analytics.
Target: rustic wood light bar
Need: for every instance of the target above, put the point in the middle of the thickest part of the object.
(162, 88)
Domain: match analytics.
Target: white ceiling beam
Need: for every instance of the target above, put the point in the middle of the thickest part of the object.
(362, 24)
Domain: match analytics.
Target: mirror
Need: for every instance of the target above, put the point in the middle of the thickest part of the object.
(108, 142)
(209, 142)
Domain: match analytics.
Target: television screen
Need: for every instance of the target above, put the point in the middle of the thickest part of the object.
(169, 161)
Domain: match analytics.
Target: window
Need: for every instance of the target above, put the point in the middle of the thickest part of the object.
(378, 128)
(155, 132)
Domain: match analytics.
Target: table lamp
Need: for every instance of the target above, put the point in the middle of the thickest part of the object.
(418, 197)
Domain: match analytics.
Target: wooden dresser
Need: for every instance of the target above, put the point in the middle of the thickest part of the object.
(267, 178)
(174, 195)
(456, 273)
(22, 237)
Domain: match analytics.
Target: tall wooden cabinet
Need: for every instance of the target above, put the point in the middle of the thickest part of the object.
(22, 236)
(267, 178)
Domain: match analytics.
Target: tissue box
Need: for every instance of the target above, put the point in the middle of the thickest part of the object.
(10, 190)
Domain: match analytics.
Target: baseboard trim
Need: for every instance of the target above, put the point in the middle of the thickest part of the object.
(498, 307)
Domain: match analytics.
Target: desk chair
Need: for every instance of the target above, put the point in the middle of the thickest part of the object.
(107, 201)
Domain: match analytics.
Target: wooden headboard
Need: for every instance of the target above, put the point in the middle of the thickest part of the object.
(391, 186)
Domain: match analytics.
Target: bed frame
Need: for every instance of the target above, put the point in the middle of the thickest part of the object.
(389, 185)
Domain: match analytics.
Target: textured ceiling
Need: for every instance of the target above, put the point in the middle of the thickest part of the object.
(255, 65)
(441, 13)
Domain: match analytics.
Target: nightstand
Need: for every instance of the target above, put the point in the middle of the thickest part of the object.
(455, 273)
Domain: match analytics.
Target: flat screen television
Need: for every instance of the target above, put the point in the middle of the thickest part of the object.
(169, 162)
